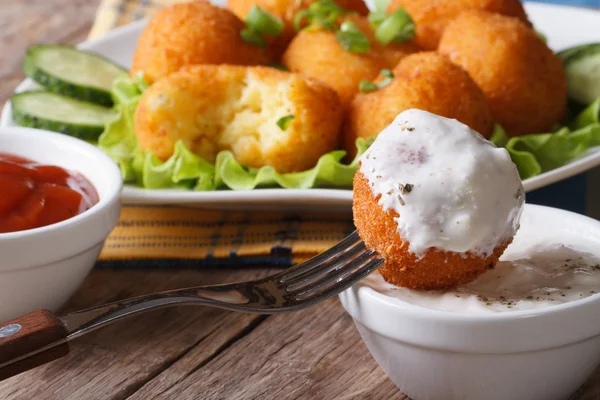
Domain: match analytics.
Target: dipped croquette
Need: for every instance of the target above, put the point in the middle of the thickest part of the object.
(317, 53)
(436, 200)
(438, 269)
(426, 81)
(286, 10)
(263, 115)
(432, 16)
(192, 33)
(523, 80)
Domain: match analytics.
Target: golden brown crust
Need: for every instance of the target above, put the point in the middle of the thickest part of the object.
(318, 54)
(286, 10)
(523, 80)
(437, 269)
(432, 16)
(425, 81)
(192, 33)
(213, 108)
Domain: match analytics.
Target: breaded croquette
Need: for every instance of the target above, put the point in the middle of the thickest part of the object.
(286, 10)
(263, 115)
(438, 269)
(432, 16)
(192, 33)
(318, 54)
(426, 81)
(523, 80)
(437, 201)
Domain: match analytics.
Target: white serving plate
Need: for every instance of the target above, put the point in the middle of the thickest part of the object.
(563, 26)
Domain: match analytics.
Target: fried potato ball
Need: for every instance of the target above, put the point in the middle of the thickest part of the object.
(213, 108)
(426, 81)
(438, 269)
(319, 54)
(432, 16)
(523, 80)
(192, 33)
(286, 10)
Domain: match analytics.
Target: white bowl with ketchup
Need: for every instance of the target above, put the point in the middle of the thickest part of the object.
(59, 200)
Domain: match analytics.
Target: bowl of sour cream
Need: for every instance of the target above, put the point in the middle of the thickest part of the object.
(527, 329)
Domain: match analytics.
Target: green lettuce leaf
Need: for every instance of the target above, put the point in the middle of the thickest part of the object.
(537, 153)
(186, 170)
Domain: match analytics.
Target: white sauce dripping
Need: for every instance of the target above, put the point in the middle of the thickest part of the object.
(453, 189)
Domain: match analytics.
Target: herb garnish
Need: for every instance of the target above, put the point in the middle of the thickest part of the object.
(320, 14)
(397, 27)
(352, 39)
(367, 86)
(278, 66)
(259, 23)
(284, 122)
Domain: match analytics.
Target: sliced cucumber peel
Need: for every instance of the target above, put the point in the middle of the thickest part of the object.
(50, 111)
(75, 73)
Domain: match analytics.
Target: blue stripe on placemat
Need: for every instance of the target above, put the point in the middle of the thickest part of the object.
(263, 261)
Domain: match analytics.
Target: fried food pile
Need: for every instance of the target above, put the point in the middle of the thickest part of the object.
(282, 82)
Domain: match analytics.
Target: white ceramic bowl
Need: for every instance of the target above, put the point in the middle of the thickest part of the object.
(42, 268)
(540, 354)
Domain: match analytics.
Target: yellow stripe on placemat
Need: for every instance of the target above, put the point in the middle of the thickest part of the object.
(114, 13)
(169, 233)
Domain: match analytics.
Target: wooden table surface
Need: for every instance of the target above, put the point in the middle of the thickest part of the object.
(190, 352)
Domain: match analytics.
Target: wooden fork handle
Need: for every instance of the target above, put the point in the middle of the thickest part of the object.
(27, 334)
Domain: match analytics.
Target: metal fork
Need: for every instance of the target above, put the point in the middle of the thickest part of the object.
(40, 337)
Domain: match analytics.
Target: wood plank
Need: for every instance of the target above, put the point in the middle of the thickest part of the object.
(26, 22)
(312, 354)
(114, 362)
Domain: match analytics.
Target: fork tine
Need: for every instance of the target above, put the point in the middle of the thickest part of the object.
(346, 283)
(342, 247)
(353, 267)
(334, 268)
(326, 267)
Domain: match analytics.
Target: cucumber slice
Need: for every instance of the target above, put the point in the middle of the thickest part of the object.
(74, 73)
(582, 66)
(53, 112)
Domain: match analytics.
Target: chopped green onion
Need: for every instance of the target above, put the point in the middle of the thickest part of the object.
(284, 122)
(321, 14)
(366, 86)
(352, 39)
(279, 66)
(376, 18)
(381, 5)
(397, 27)
(388, 76)
(264, 22)
(253, 37)
(298, 19)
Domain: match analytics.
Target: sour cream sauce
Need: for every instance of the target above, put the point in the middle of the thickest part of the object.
(452, 189)
(536, 276)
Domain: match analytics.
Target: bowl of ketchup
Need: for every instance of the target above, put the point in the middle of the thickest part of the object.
(59, 200)
(35, 195)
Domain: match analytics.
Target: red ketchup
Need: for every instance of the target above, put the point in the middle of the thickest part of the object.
(34, 195)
